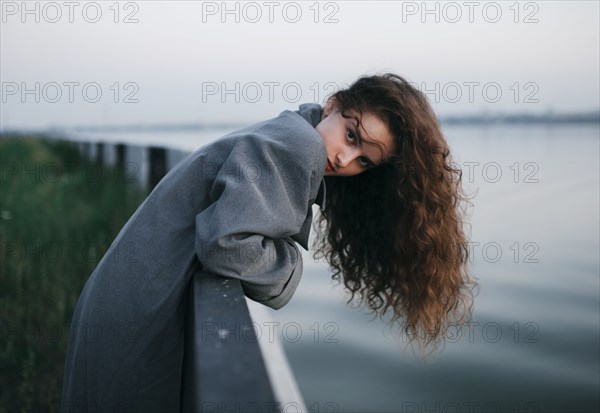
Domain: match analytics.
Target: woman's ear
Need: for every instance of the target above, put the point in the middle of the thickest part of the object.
(329, 106)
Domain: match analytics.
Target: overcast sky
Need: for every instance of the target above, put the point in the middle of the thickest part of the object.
(166, 62)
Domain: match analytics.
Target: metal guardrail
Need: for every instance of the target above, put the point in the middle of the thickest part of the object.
(223, 366)
(147, 169)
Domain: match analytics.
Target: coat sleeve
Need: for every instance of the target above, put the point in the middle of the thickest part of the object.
(258, 199)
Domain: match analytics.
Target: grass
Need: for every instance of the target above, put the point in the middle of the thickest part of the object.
(59, 213)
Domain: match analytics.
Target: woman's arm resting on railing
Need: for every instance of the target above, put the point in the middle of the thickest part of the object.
(245, 232)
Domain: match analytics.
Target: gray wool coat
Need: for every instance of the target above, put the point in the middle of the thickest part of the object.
(235, 207)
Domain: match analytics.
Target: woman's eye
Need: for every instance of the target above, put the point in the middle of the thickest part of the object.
(365, 162)
(351, 136)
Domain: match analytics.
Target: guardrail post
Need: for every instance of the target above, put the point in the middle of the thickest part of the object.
(100, 154)
(120, 150)
(158, 165)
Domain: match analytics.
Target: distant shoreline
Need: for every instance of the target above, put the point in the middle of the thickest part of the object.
(520, 118)
(474, 119)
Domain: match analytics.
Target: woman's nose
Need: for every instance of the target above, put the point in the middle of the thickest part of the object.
(346, 156)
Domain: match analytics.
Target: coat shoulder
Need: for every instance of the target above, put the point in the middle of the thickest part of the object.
(286, 138)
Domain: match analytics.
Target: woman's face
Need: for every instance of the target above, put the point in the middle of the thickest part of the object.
(347, 153)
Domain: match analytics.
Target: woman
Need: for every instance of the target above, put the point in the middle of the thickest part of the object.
(375, 162)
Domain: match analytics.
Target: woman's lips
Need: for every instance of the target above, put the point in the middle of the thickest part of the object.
(329, 166)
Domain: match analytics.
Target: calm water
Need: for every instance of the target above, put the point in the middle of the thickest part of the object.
(533, 344)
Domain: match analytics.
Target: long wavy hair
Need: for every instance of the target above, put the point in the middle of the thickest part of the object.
(394, 233)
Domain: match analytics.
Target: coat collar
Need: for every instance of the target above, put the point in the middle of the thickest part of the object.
(312, 113)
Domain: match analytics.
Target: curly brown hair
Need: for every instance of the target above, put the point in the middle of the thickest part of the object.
(394, 233)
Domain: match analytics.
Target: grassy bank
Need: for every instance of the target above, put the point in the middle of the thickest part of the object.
(59, 212)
